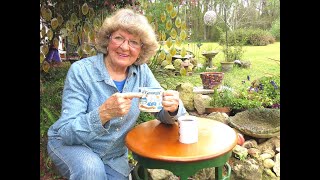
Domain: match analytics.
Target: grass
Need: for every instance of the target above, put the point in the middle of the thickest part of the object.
(265, 61)
(261, 65)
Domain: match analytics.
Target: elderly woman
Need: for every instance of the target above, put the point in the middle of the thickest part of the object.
(100, 101)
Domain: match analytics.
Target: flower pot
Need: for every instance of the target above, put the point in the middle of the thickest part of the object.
(226, 110)
(211, 80)
(226, 66)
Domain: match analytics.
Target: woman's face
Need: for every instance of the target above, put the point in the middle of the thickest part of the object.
(123, 49)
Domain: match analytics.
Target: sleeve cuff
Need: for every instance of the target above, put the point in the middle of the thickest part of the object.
(95, 122)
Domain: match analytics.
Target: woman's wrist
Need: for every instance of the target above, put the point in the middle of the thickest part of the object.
(104, 115)
(174, 113)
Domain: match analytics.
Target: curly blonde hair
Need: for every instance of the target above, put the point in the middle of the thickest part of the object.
(134, 23)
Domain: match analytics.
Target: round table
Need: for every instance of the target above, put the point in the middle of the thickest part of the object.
(156, 145)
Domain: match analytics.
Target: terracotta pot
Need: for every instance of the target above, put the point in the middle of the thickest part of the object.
(211, 80)
(218, 109)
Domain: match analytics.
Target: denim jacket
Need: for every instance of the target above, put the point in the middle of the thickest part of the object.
(86, 87)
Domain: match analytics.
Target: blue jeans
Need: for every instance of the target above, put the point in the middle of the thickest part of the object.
(79, 162)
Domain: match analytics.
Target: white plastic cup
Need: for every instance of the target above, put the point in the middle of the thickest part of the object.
(188, 129)
(151, 101)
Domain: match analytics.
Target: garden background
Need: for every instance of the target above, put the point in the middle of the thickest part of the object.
(249, 30)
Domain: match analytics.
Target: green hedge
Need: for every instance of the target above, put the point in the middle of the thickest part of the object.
(254, 37)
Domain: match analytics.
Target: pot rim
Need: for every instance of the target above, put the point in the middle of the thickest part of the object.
(212, 73)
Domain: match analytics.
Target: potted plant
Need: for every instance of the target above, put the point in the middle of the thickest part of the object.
(220, 101)
(242, 104)
(230, 102)
(211, 80)
(244, 100)
(231, 54)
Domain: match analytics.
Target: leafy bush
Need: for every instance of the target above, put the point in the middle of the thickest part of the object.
(263, 92)
(233, 100)
(236, 37)
(221, 98)
(244, 103)
(266, 90)
(144, 117)
(275, 29)
(170, 27)
(255, 37)
(51, 87)
(260, 37)
(233, 53)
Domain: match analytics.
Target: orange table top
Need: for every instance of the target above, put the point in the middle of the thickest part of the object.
(156, 140)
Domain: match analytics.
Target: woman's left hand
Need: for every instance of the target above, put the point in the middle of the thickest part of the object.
(170, 101)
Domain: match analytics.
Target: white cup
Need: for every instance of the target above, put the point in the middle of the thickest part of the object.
(188, 129)
(151, 101)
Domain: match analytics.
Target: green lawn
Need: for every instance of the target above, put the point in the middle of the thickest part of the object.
(265, 61)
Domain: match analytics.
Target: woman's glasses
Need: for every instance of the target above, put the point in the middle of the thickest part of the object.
(119, 40)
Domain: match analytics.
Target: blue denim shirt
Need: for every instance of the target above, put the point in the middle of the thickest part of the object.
(87, 86)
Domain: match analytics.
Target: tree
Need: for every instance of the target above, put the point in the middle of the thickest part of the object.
(76, 21)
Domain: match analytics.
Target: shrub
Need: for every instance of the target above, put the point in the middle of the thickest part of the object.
(234, 53)
(51, 87)
(255, 37)
(244, 103)
(221, 98)
(144, 117)
(233, 100)
(260, 37)
(266, 90)
(275, 29)
(236, 37)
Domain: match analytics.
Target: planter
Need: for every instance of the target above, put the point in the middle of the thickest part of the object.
(226, 66)
(211, 80)
(226, 110)
(257, 122)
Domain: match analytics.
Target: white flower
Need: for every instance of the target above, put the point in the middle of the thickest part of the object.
(210, 18)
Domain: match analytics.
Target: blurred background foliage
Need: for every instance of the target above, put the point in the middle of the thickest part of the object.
(74, 23)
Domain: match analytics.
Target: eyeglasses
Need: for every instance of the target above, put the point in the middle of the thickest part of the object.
(119, 40)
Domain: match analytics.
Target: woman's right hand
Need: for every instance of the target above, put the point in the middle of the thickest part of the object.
(116, 105)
